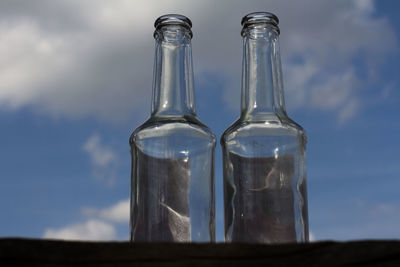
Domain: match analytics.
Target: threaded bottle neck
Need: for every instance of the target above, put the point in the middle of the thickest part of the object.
(173, 72)
(262, 86)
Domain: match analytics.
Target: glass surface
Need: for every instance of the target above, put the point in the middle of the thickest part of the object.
(265, 196)
(172, 194)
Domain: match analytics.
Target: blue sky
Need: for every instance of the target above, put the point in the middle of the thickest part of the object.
(75, 81)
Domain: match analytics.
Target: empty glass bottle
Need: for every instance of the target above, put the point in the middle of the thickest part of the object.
(265, 195)
(172, 182)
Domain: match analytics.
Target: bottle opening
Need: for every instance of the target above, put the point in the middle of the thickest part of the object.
(174, 19)
(260, 18)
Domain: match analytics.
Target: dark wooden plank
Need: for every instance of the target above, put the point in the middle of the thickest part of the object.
(31, 252)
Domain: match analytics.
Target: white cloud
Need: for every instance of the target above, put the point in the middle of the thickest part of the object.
(320, 55)
(100, 224)
(90, 230)
(94, 58)
(99, 154)
(117, 213)
(103, 159)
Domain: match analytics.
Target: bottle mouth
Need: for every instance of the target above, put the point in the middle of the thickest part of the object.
(260, 18)
(174, 19)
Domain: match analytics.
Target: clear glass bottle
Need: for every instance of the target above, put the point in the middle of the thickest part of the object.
(172, 181)
(265, 196)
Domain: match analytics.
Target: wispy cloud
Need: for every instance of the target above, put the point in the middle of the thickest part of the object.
(100, 224)
(349, 110)
(103, 159)
(117, 213)
(323, 70)
(90, 230)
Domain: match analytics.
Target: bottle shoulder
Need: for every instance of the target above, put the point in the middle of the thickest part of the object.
(179, 126)
(273, 125)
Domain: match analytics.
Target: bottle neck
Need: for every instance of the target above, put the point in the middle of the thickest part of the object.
(262, 87)
(173, 74)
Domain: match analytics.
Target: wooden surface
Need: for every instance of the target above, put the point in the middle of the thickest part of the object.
(31, 252)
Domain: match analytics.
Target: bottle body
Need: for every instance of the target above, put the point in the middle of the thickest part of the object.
(173, 182)
(172, 176)
(265, 195)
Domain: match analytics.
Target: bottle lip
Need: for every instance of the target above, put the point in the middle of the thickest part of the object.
(174, 19)
(260, 18)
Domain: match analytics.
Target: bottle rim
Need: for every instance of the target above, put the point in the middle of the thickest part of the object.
(174, 19)
(260, 18)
